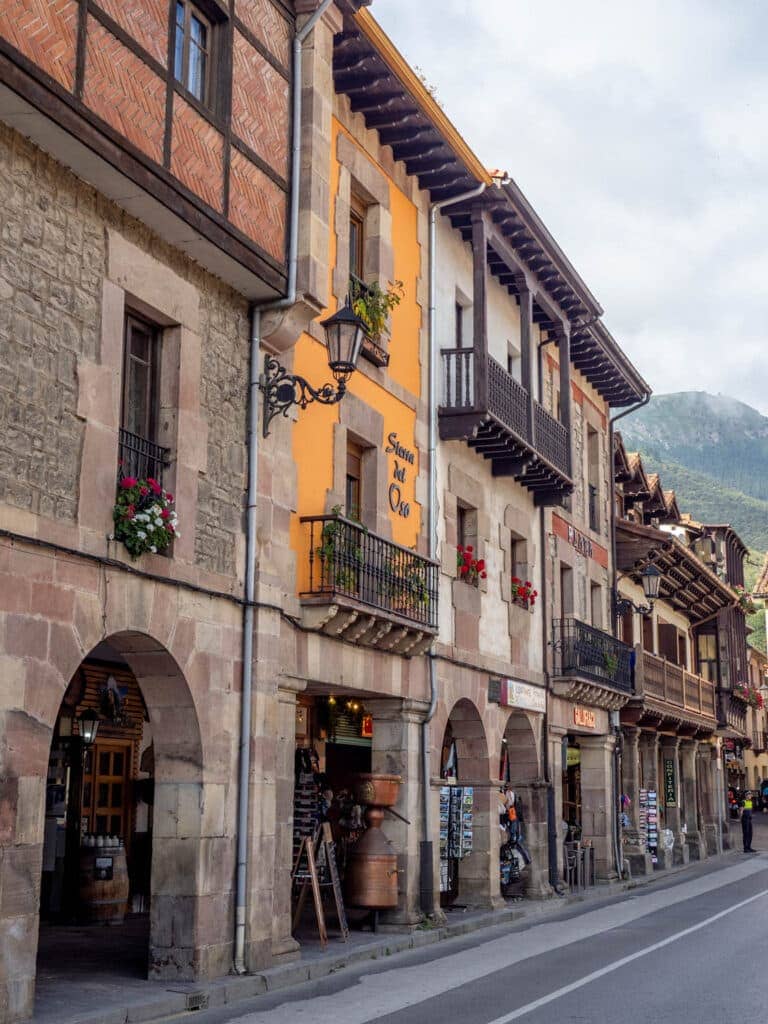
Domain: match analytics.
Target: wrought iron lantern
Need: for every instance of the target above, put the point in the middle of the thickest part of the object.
(344, 336)
(88, 723)
(650, 577)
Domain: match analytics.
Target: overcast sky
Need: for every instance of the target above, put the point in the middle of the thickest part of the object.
(639, 131)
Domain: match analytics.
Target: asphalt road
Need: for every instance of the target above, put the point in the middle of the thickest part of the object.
(693, 949)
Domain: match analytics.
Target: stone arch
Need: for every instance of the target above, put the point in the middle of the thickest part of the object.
(519, 741)
(468, 730)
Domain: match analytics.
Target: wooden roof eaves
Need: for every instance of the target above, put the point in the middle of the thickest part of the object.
(419, 94)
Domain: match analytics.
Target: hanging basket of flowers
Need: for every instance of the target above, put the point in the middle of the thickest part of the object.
(144, 515)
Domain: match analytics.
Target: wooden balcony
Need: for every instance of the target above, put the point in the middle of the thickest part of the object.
(484, 405)
(591, 666)
(669, 695)
(365, 589)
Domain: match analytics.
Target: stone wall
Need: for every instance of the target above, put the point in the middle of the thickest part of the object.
(53, 263)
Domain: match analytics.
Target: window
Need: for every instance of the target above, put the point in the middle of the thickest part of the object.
(566, 590)
(192, 59)
(353, 490)
(459, 325)
(140, 455)
(648, 634)
(356, 239)
(466, 527)
(593, 470)
(706, 655)
(596, 603)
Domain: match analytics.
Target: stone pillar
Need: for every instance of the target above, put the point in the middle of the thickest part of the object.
(689, 778)
(597, 810)
(479, 879)
(670, 751)
(396, 750)
(556, 767)
(706, 770)
(634, 849)
(536, 877)
(284, 946)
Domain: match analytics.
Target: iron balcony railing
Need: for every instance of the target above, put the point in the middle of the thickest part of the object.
(589, 652)
(507, 402)
(593, 520)
(141, 458)
(345, 558)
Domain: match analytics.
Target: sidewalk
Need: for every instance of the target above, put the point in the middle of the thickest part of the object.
(71, 993)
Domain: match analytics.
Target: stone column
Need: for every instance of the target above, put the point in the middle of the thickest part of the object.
(710, 821)
(670, 751)
(556, 767)
(479, 879)
(284, 946)
(634, 849)
(689, 777)
(597, 811)
(536, 877)
(396, 750)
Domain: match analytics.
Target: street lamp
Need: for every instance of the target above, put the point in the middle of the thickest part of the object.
(651, 580)
(89, 726)
(344, 335)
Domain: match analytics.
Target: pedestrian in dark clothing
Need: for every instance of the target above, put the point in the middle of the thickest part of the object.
(746, 822)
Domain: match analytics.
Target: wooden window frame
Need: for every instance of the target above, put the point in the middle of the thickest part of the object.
(208, 99)
(153, 390)
(355, 453)
(357, 251)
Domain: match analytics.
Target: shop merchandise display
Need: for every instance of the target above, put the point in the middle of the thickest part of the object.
(513, 855)
(648, 822)
(456, 828)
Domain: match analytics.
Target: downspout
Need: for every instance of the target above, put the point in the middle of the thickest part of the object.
(614, 623)
(554, 881)
(426, 872)
(289, 299)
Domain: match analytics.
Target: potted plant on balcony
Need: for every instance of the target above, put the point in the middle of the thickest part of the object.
(373, 304)
(610, 662)
(744, 601)
(405, 585)
(340, 555)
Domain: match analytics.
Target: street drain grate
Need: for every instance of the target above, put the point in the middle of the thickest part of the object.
(197, 1000)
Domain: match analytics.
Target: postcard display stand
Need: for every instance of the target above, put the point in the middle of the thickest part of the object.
(648, 813)
(456, 827)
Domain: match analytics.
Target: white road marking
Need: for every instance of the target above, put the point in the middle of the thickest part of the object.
(617, 964)
(374, 996)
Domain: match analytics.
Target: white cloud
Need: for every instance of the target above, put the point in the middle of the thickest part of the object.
(638, 133)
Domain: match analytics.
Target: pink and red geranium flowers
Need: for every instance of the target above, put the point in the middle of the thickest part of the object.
(144, 515)
(470, 569)
(523, 592)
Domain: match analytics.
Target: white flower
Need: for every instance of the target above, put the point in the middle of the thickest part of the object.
(151, 527)
(153, 549)
(141, 535)
(158, 522)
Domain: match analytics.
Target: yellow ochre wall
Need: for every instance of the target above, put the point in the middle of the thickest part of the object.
(313, 430)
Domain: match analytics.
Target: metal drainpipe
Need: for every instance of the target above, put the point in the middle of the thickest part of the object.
(617, 729)
(241, 900)
(426, 873)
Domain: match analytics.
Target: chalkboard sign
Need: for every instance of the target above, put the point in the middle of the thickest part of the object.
(670, 783)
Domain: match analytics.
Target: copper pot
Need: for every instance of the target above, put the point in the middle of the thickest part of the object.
(377, 789)
(371, 875)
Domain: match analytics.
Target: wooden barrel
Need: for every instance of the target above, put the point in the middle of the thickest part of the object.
(103, 884)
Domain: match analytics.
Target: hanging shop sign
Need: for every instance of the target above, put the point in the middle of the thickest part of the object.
(511, 693)
(585, 717)
(366, 727)
(404, 457)
(670, 786)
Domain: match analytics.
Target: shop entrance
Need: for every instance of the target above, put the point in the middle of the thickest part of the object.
(572, 789)
(334, 738)
(110, 755)
(463, 845)
(518, 768)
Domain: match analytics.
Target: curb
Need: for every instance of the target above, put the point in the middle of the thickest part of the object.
(185, 998)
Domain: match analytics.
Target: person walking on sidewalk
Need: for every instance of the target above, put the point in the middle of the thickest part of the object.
(746, 822)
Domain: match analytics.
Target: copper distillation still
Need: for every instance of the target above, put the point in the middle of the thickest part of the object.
(371, 876)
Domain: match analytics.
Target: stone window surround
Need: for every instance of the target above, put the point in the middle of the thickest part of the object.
(514, 530)
(582, 579)
(137, 281)
(358, 175)
(465, 490)
(592, 418)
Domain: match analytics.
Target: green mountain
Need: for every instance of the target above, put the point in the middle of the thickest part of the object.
(710, 434)
(713, 451)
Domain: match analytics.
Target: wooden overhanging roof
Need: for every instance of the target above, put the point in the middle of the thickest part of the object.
(381, 86)
(686, 583)
(637, 486)
(622, 472)
(760, 588)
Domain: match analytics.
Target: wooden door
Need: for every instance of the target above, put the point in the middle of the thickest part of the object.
(106, 797)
